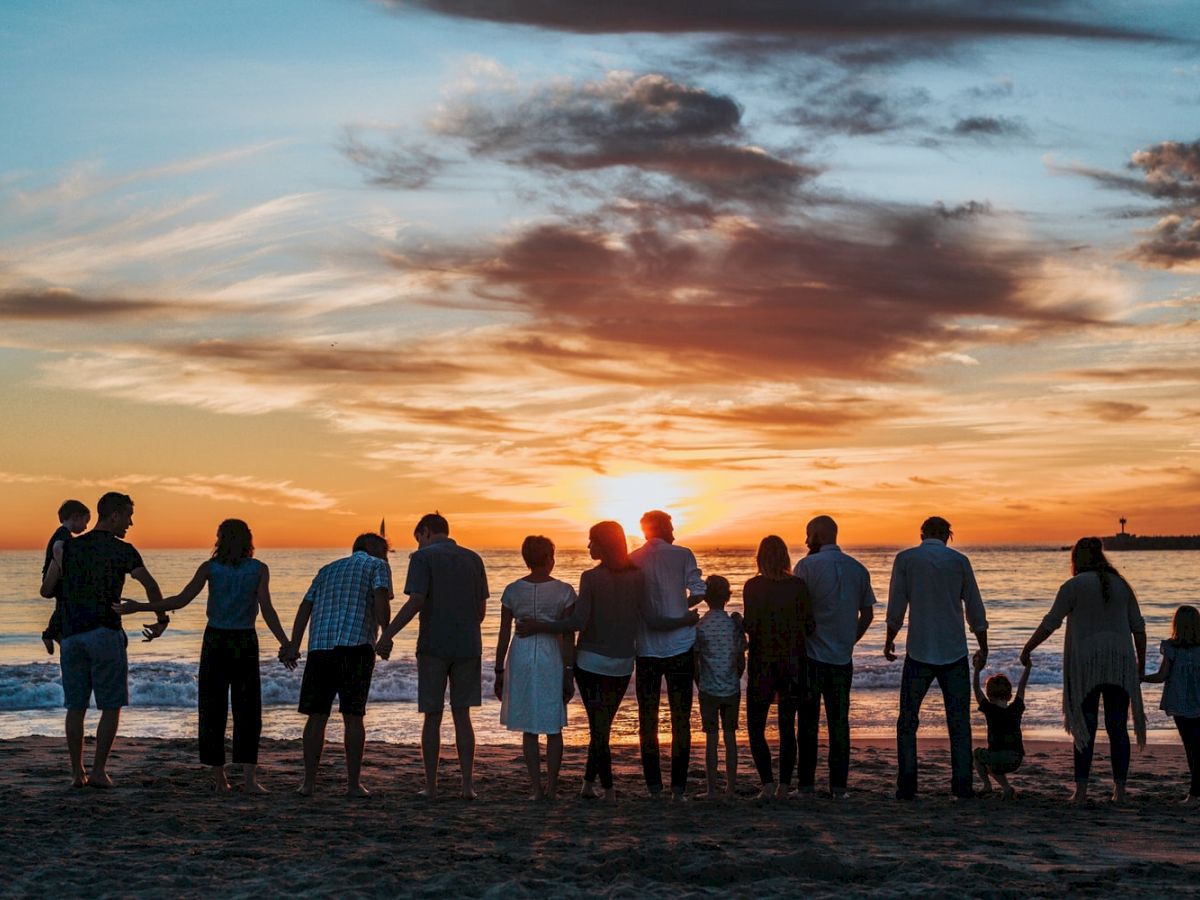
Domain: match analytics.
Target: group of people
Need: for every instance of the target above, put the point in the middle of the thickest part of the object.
(632, 617)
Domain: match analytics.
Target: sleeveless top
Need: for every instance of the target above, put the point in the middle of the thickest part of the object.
(233, 594)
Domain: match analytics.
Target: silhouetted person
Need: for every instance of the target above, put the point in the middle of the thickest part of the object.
(935, 585)
(843, 608)
(347, 602)
(238, 587)
(94, 659)
(671, 573)
(447, 586)
(73, 518)
(1104, 656)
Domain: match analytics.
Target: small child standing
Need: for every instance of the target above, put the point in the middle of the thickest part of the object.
(720, 661)
(73, 518)
(1005, 750)
(1179, 673)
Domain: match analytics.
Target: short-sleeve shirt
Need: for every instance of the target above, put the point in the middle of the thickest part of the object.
(343, 601)
(1181, 693)
(1004, 725)
(718, 646)
(62, 533)
(454, 583)
(93, 578)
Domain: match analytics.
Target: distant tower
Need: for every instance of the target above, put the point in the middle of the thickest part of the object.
(1123, 520)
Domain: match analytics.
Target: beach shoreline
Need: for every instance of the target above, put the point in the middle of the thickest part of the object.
(160, 832)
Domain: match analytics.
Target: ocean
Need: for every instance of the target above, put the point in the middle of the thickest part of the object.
(1018, 585)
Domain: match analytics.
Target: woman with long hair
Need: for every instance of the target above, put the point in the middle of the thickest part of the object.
(1104, 657)
(238, 587)
(778, 618)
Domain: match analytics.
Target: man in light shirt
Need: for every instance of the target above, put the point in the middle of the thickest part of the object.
(843, 608)
(935, 585)
(671, 573)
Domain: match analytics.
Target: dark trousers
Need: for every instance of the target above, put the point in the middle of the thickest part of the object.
(679, 672)
(955, 681)
(1116, 719)
(229, 668)
(831, 684)
(601, 696)
(769, 682)
(1189, 731)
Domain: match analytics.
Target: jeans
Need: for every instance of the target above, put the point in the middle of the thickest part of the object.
(955, 681)
(679, 672)
(601, 695)
(229, 666)
(1189, 731)
(767, 681)
(832, 684)
(1116, 718)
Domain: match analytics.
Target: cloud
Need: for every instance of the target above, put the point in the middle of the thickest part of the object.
(399, 165)
(988, 127)
(60, 305)
(649, 123)
(1170, 172)
(1115, 410)
(856, 110)
(836, 19)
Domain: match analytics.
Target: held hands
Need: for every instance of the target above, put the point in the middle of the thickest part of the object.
(889, 650)
(979, 660)
(568, 684)
(499, 690)
(125, 607)
(383, 647)
(154, 629)
(289, 655)
(1026, 658)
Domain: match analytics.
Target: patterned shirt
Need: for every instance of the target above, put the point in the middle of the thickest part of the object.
(343, 601)
(718, 646)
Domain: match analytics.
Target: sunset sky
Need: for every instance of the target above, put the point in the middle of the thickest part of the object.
(534, 264)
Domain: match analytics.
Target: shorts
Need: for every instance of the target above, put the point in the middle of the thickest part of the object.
(724, 708)
(464, 676)
(344, 672)
(999, 762)
(96, 662)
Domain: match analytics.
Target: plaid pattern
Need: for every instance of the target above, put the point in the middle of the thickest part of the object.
(342, 601)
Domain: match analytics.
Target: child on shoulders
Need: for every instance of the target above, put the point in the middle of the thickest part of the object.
(1005, 750)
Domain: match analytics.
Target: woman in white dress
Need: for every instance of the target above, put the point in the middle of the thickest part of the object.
(536, 685)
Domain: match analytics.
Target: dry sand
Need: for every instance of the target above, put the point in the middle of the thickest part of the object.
(159, 833)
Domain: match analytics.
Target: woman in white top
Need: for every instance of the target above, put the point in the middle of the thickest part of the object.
(536, 685)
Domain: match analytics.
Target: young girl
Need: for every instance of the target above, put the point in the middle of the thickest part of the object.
(1179, 672)
(238, 588)
(535, 685)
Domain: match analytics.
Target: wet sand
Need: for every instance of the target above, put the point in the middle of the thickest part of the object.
(161, 833)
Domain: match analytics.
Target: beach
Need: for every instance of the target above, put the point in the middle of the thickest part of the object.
(159, 832)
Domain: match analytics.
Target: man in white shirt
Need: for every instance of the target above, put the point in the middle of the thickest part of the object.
(935, 585)
(843, 609)
(670, 573)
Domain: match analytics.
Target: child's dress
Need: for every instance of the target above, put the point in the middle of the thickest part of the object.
(533, 683)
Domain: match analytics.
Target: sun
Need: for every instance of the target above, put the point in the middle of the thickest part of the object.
(624, 498)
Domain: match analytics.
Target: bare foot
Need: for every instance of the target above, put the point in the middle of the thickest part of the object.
(100, 779)
(427, 793)
(768, 793)
(610, 795)
(706, 795)
(588, 791)
(985, 791)
(781, 792)
(804, 793)
(678, 796)
(253, 787)
(1118, 795)
(1190, 800)
(305, 789)
(79, 779)
(357, 790)
(839, 795)
(469, 794)
(49, 645)
(1009, 794)
(1079, 798)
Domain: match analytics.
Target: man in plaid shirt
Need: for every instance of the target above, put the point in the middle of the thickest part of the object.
(347, 603)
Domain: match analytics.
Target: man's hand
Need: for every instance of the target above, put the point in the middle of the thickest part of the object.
(976, 662)
(383, 647)
(526, 627)
(499, 690)
(693, 617)
(980, 658)
(1026, 658)
(289, 655)
(125, 607)
(154, 629)
(889, 649)
(568, 684)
